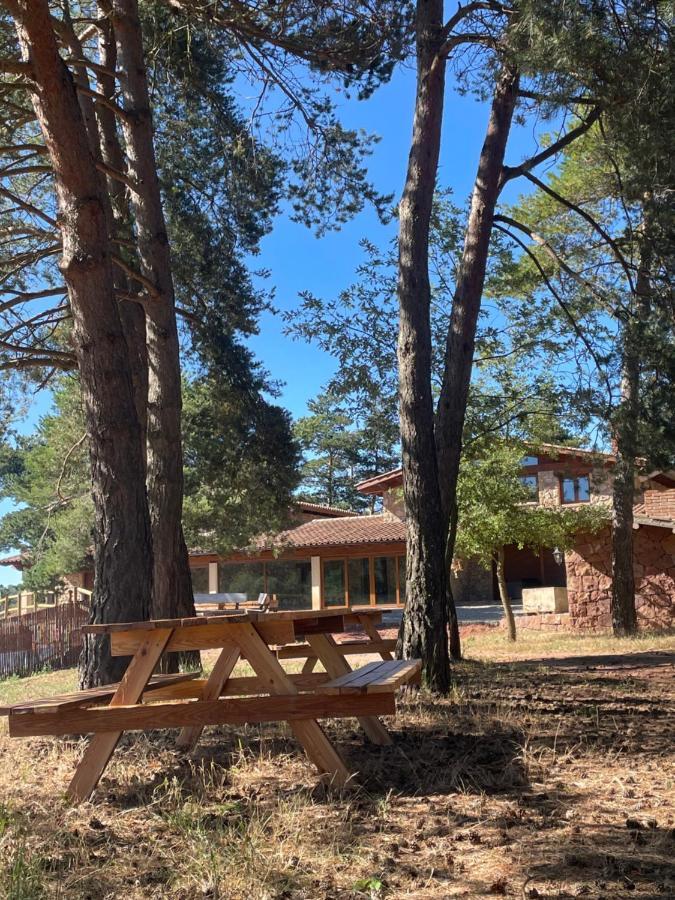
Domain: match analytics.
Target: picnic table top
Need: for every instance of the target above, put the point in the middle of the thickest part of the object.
(232, 616)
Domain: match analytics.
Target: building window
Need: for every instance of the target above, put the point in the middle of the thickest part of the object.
(385, 579)
(575, 489)
(334, 582)
(358, 572)
(364, 581)
(531, 482)
(200, 579)
(529, 461)
(291, 581)
(242, 578)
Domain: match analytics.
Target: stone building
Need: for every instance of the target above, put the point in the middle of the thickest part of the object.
(330, 557)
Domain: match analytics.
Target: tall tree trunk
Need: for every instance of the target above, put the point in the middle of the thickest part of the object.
(172, 583)
(123, 566)
(504, 595)
(626, 420)
(132, 314)
(465, 309)
(423, 631)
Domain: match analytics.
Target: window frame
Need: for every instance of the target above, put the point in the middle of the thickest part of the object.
(575, 479)
(371, 576)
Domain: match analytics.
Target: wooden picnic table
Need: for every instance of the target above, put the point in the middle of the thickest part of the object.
(142, 701)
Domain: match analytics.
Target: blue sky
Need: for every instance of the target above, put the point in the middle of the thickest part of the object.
(297, 260)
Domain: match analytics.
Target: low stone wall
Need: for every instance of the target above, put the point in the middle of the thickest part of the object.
(542, 622)
(589, 581)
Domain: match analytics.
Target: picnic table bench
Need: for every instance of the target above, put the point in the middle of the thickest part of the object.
(144, 701)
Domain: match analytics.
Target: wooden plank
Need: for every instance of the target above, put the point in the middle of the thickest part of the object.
(208, 637)
(337, 666)
(368, 626)
(298, 710)
(310, 734)
(346, 648)
(90, 697)
(244, 686)
(375, 677)
(361, 674)
(323, 625)
(153, 624)
(229, 656)
(409, 673)
(130, 690)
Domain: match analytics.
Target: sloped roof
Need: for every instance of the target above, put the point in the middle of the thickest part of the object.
(379, 529)
(321, 509)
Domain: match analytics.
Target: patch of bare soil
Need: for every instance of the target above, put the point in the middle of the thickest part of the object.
(527, 782)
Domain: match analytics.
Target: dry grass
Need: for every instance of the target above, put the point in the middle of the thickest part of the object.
(527, 782)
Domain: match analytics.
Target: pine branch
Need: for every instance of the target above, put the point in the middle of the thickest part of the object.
(509, 172)
(587, 217)
(554, 293)
(28, 207)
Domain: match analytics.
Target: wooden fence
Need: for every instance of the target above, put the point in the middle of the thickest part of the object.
(47, 638)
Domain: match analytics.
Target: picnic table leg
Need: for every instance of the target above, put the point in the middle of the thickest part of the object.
(372, 632)
(308, 731)
(221, 671)
(336, 665)
(309, 665)
(129, 692)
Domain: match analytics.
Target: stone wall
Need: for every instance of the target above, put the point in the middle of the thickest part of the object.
(470, 582)
(392, 501)
(541, 622)
(589, 582)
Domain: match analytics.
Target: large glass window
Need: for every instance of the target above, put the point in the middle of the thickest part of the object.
(334, 582)
(529, 461)
(291, 581)
(200, 579)
(385, 579)
(575, 490)
(241, 578)
(359, 581)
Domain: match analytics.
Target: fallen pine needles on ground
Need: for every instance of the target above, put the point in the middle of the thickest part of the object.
(531, 780)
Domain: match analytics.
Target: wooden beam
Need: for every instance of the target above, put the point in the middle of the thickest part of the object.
(297, 709)
(336, 665)
(227, 660)
(208, 637)
(130, 690)
(349, 648)
(368, 626)
(308, 731)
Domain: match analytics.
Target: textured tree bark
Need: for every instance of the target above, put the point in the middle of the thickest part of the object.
(123, 570)
(423, 631)
(132, 314)
(626, 424)
(172, 583)
(504, 595)
(466, 302)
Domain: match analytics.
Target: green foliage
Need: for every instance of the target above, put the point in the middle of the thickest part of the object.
(240, 471)
(241, 465)
(495, 508)
(513, 392)
(337, 454)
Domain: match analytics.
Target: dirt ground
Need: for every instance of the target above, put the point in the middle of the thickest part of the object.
(547, 774)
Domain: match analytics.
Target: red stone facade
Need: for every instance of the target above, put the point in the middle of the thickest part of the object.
(589, 583)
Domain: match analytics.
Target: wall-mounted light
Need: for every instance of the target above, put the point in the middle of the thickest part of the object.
(558, 556)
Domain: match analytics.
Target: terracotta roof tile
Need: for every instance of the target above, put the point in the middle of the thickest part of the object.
(380, 529)
(305, 506)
